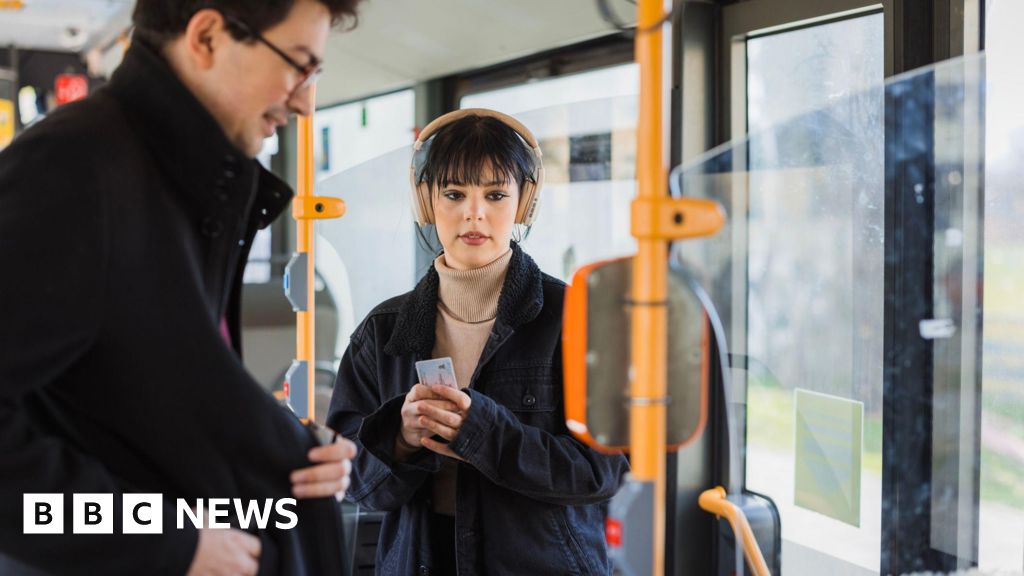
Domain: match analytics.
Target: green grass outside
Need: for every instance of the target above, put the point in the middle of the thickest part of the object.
(770, 426)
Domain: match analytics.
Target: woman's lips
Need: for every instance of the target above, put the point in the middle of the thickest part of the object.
(473, 239)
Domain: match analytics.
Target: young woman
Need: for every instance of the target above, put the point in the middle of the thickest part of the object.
(484, 479)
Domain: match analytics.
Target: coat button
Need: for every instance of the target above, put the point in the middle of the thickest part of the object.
(211, 228)
(529, 400)
(424, 571)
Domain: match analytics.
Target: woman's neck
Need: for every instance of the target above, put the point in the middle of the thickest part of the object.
(472, 295)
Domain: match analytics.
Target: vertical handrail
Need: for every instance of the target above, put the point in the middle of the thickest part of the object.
(305, 323)
(649, 333)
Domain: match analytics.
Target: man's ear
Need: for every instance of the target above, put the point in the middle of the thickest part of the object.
(206, 32)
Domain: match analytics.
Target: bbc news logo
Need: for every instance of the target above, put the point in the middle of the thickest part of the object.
(144, 513)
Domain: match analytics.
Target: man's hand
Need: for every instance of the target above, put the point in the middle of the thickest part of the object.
(442, 420)
(330, 476)
(225, 553)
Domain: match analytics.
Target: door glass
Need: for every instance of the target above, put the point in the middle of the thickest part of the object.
(814, 294)
(807, 327)
(1001, 508)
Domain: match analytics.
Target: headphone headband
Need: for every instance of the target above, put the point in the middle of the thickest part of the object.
(446, 119)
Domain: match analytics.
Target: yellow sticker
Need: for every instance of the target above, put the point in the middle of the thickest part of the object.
(829, 446)
(6, 122)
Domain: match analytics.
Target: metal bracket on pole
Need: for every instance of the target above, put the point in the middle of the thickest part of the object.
(317, 207)
(676, 218)
(295, 288)
(296, 388)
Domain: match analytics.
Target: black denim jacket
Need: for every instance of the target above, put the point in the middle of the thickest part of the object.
(530, 498)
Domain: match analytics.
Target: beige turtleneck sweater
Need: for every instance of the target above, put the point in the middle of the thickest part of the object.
(467, 306)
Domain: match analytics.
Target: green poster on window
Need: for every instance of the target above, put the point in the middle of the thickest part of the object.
(829, 443)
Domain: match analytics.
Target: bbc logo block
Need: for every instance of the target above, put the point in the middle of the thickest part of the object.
(92, 514)
(43, 514)
(142, 514)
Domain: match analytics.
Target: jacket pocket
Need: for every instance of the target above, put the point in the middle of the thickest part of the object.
(523, 388)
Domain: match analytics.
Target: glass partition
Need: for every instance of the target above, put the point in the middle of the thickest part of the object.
(368, 255)
(866, 280)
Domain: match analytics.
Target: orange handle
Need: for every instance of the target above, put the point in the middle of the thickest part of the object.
(714, 501)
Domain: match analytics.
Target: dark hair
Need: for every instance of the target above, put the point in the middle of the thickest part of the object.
(460, 151)
(159, 21)
(458, 154)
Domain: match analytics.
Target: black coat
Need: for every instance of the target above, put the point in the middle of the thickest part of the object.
(530, 498)
(125, 221)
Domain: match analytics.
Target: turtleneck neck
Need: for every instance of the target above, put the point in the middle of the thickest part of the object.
(472, 295)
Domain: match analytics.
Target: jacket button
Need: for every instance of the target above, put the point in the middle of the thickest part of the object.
(424, 571)
(529, 400)
(229, 173)
(211, 228)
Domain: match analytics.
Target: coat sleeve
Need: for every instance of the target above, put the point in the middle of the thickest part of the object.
(552, 468)
(53, 261)
(379, 482)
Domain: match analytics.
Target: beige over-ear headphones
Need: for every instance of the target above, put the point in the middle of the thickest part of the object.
(528, 194)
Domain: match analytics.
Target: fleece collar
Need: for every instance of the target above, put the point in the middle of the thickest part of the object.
(521, 300)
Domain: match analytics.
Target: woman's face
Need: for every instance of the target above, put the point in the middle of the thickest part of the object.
(474, 222)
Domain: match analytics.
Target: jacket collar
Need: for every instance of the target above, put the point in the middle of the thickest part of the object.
(212, 178)
(521, 300)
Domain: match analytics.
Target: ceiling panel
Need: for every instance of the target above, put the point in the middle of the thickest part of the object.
(48, 24)
(399, 42)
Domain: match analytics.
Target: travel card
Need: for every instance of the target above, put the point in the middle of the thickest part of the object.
(437, 371)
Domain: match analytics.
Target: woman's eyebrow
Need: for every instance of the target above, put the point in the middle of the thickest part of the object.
(485, 184)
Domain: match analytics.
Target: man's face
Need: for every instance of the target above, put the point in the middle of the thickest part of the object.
(251, 90)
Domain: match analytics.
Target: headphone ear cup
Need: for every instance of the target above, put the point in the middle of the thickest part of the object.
(423, 201)
(527, 211)
(422, 210)
(530, 197)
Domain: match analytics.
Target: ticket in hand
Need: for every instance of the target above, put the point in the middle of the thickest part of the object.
(437, 371)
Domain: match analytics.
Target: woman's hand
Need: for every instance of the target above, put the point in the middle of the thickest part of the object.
(418, 402)
(443, 417)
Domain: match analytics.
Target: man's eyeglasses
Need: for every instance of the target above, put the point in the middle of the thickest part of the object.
(308, 73)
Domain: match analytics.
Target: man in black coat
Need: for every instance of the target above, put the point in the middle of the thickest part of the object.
(125, 224)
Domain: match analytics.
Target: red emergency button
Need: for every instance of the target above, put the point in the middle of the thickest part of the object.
(613, 532)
